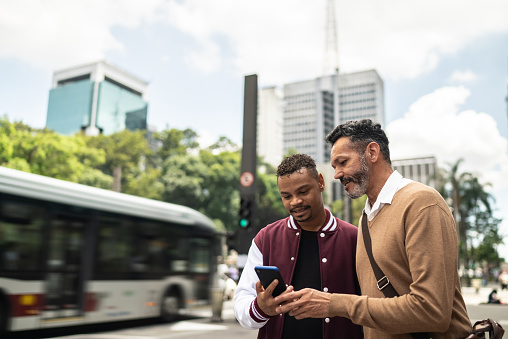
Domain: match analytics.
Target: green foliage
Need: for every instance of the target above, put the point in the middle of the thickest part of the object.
(269, 204)
(144, 184)
(291, 151)
(221, 182)
(357, 206)
(182, 177)
(95, 178)
(472, 208)
(124, 149)
(44, 152)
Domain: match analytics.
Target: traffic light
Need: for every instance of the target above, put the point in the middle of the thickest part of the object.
(245, 212)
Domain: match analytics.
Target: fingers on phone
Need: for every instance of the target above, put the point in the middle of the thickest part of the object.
(272, 286)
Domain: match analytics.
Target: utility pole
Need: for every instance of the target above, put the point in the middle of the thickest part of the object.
(246, 228)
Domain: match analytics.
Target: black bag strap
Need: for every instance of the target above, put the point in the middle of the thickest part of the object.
(383, 283)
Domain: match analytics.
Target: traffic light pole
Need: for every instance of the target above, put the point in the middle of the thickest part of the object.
(246, 227)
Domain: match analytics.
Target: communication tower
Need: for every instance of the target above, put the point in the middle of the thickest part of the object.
(331, 53)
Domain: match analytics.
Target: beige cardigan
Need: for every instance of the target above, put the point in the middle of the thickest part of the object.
(414, 242)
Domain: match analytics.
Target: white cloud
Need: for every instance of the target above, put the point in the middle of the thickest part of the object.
(53, 34)
(206, 60)
(466, 76)
(434, 125)
(284, 40)
(280, 40)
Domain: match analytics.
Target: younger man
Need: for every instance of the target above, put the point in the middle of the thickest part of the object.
(311, 248)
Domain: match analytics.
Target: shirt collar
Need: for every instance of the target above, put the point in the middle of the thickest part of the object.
(394, 183)
(329, 225)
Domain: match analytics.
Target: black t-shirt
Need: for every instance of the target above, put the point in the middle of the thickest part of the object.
(307, 274)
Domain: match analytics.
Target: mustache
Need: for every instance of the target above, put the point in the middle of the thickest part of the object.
(347, 180)
(298, 207)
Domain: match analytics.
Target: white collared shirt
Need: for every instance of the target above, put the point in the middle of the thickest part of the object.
(394, 183)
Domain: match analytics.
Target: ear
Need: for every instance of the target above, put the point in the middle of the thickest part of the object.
(321, 182)
(372, 152)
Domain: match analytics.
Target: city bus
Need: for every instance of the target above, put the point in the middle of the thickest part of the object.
(71, 254)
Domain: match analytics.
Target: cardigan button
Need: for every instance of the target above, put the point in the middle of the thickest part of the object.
(292, 258)
(325, 289)
(297, 233)
(327, 320)
(322, 235)
(324, 260)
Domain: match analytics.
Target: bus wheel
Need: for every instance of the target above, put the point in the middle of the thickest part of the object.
(170, 306)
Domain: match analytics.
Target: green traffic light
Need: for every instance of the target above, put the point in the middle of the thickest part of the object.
(244, 222)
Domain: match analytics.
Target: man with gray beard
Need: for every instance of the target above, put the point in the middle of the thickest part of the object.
(413, 240)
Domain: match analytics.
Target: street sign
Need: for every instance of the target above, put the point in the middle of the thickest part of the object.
(246, 179)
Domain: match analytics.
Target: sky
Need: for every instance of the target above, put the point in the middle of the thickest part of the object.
(444, 64)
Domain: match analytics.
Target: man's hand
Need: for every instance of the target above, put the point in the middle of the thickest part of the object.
(306, 303)
(266, 301)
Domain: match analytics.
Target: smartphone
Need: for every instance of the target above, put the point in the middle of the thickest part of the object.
(267, 274)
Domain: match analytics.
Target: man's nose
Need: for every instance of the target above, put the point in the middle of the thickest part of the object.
(296, 201)
(339, 174)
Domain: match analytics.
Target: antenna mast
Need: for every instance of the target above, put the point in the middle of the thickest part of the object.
(331, 54)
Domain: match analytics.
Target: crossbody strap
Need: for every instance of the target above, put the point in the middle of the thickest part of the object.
(383, 283)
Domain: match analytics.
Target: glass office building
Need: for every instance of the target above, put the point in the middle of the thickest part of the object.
(96, 98)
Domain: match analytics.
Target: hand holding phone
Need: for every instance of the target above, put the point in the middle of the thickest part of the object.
(267, 274)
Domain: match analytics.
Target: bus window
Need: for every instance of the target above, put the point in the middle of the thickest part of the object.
(114, 246)
(200, 255)
(150, 247)
(21, 225)
(178, 249)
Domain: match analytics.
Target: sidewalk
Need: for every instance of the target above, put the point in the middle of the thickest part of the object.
(473, 298)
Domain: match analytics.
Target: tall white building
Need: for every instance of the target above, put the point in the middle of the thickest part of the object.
(361, 96)
(269, 129)
(308, 116)
(311, 110)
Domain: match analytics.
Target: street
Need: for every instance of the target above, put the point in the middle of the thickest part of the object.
(478, 309)
(199, 325)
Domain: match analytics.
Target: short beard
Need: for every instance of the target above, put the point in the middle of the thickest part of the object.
(360, 179)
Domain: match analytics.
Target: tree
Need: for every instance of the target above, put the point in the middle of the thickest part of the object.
(357, 206)
(44, 152)
(144, 183)
(123, 149)
(221, 198)
(269, 204)
(182, 177)
(175, 142)
(473, 213)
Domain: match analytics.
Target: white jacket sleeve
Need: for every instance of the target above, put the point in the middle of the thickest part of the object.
(245, 306)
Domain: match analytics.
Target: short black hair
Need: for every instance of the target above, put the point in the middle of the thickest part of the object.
(361, 133)
(295, 163)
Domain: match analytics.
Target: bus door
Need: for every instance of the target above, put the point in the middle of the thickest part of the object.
(64, 285)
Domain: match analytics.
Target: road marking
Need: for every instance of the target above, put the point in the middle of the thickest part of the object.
(105, 336)
(194, 326)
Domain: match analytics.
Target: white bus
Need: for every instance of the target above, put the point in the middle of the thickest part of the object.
(73, 255)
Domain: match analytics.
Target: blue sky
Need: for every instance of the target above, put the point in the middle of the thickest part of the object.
(444, 64)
